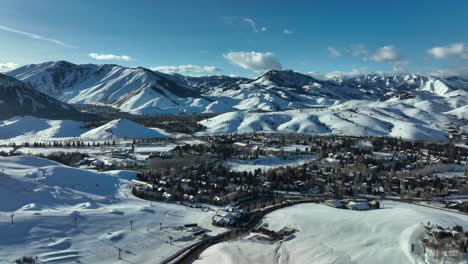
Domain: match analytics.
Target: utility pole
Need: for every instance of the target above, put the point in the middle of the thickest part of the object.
(12, 218)
(120, 250)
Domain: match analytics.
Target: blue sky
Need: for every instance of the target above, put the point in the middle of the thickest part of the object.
(244, 38)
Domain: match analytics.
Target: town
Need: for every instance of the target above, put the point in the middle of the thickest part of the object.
(226, 169)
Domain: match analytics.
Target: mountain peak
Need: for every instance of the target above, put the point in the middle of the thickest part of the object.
(285, 78)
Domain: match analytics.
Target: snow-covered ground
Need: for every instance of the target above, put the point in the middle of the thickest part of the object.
(268, 162)
(45, 197)
(353, 118)
(29, 129)
(122, 128)
(328, 235)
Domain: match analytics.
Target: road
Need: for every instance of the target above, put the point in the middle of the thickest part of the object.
(191, 253)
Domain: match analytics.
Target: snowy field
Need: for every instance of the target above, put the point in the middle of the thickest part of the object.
(268, 162)
(46, 197)
(328, 235)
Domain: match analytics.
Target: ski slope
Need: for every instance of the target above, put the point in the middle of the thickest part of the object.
(46, 197)
(328, 235)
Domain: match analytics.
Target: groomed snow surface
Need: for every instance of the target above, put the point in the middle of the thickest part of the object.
(44, 196)
(328, 235)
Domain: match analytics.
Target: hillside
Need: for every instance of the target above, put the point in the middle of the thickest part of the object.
(122, 128)
(355, 118)
(31, 128)
(17, 98)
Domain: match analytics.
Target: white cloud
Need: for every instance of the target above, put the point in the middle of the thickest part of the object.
(333, 52)
(287, 31)
(97, 56)
(357, 50)
(255, 61)
(384, 54)
(189, 68)
(337, 74)
(454, 70)
(8, 66)
(452, 50)
(253, 25)
(34, 36)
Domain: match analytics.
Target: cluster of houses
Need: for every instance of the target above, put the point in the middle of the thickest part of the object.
(343, 167)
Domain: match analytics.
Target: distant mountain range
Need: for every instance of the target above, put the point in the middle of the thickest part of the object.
(407, 106)
(142, 91)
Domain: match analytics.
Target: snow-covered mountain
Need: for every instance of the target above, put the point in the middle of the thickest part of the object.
(129, 89)
(142, 91)
(410, 106)
(386, 85)
(18, 98)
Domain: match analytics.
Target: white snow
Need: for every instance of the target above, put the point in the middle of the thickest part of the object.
(122, 128)
(268, 162)
(141, 91)
(354, 118)
(44, 196)
(329, 235)
(31, 129)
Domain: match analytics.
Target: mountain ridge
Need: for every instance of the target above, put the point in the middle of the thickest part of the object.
(139, 90)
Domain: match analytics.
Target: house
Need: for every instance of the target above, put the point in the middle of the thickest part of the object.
(360, 206)
(334, 203)
(120, 153)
